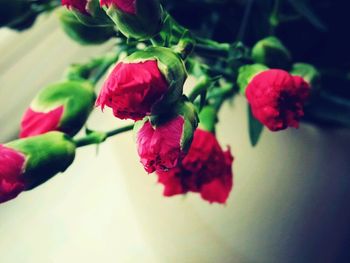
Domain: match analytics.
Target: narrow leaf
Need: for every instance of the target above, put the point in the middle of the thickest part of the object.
(255, 128)
(303, 9)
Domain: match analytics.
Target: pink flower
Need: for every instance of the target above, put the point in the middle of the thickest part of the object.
(160, 148)
(206, 169)
(127, 6)
(11, 170)
(79, 5)
(277, 98)
(132, 89)
(34, 123)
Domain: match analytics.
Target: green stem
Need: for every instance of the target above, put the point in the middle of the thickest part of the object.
(212, 51)
(223, 93)
(99, 137)
(202, 86)
(245, 20)
(102, 68)
(119, 130)
(95, 69)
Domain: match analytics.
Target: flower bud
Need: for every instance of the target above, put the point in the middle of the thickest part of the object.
(206, 169)
(271, 52)
(148, 81)
(27, 163)
(82, 33)
(163, 145)
(277, 98)
(246, 73)
(308, 72)
(59, 107)
(140, 19)
(88, 12)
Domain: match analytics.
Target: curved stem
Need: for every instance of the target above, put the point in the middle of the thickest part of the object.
(224, 93)
(120, 130)
(245, 20)
(202, 86)
(93, 70)
(212, 51)
(102, 68)
(96, 137)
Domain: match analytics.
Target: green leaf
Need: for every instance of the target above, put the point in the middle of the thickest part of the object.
(255, 128)
(302, 7)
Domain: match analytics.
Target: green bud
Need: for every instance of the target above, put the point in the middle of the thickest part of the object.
(271, 52)
(81, 33)
(308, 72)
(46, 155)
(173, 69)
(77, 98)
(246, 73)
(144, 24)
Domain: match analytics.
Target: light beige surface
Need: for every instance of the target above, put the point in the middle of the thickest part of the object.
(289, 204)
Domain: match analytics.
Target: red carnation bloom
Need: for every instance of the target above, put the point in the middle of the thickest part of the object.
(206, 169)
(127, 6)
(160, 148)
(132, 89)
(34, 123)
(277, 98)
(11, 169)
(79, 5)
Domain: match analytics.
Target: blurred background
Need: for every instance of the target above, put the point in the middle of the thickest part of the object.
(290, 202)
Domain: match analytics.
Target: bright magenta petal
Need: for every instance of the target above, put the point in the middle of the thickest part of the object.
(11, 168)
(127, 6)
(79, 5)
(159, 148)
(132, 89)
(35, 123)
(277, 98)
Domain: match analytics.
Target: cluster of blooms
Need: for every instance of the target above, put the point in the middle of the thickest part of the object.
(146, 87)
(184, 157)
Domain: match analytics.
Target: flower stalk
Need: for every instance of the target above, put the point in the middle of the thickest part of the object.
(97, 137)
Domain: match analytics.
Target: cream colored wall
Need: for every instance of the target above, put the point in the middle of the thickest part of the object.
(31, 60)
(289, 204)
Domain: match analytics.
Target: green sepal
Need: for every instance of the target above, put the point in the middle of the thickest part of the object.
(246, 73)
(183, 108)
(208, 119)
(173, 69)
(138, 125)
(77, 97)
(96, 16)
(186, 109)
(46, 155)
(271, 52)
(143, 25)
(81, 33)
(308, 72)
